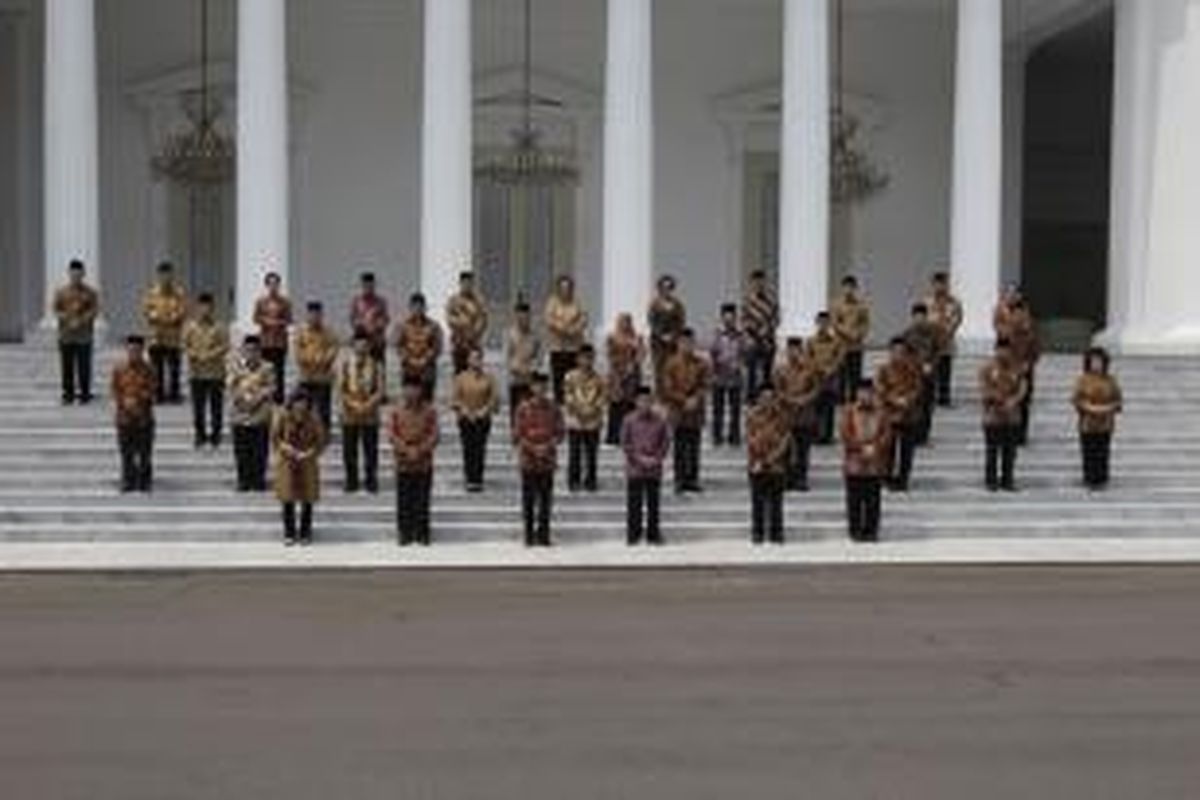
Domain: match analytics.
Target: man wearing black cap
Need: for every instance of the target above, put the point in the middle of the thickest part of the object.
(645, 439)
(585, 396)
(685, 382)
(852, 321)
(164, 307)
(760, 319)
(361, 387)
(251, 388)
(369, 312)
(207, 345)
(413, 431)
(727, 354)
(923, 338)
(537, 434)
(316, 356)
(133, 392)
(866, 441)
(1002, 387)
(945, 311)
(419, 345)
(768, 447)
(273, 316)
(826, 354)
(467, 318)
(76, 306)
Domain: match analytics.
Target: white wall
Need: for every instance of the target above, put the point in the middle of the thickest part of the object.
(356, 137)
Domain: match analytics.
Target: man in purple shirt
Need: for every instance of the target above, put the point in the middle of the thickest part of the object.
(728, 352)
(645, 439)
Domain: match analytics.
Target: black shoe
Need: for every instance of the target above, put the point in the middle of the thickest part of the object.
(372, 488)
(993, 487)
(67, 400)
(199, 442)
(128, 488)
(86, 399)
(404, 541)
(756, 540)
(777, 540)
(289, 539)
(656, 541)
(1008, 487)
(590, 487)
(351, 488)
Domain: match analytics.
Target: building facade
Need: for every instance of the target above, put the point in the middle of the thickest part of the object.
(1040, 141)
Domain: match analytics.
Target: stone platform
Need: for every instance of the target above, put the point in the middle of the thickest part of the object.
(59, 503)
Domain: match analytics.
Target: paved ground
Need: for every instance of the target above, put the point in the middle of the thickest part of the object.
(772, 683)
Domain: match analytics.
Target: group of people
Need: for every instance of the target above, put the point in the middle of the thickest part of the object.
(793, 398)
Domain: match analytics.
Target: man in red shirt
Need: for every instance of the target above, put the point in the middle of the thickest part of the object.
(538, 431)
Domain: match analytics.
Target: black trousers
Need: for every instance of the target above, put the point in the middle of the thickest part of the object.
(250, 445)
(826, 414)
(208, 410)
(1026, 405)
(1096, 450)
(642, 496)
(798, 458)
(362, 439)
(561, 362)
(852, 366)
(926, 401)
(863, 507)
(165, 361)
(537, 499)
(727, 400)
(686, 451)
(581, 459)
(1001, 456)
(303, 532)
(321, 394)
(766, 508)
(900, 460)
(412, 507)
(945, 374)
(616, 418)
(277, 358)
(474, 434)
(136, 443)
(75, 360)
(517, 392)
(759, 363)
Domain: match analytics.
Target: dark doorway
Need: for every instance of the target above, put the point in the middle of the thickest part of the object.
(1068, 128)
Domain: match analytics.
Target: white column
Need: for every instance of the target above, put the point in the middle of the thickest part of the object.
(1154, 246)
(978, 156)
(446, 155)
(262, 149)
(1133, 126)
(804, 175)
(70, 143)
(628, 160)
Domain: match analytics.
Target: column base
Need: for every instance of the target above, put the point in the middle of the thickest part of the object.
(1180, 340)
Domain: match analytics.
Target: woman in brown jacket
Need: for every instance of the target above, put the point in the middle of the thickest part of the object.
(1097, 399)
(297, 437)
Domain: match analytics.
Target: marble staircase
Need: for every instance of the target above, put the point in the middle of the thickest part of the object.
(58, 477)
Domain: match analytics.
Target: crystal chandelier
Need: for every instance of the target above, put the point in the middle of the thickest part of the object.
(526, 162)
(853, 175)
(201, 155)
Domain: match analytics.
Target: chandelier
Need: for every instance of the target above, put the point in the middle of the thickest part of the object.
(526, 162)
(853, 175)
(201, 155)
